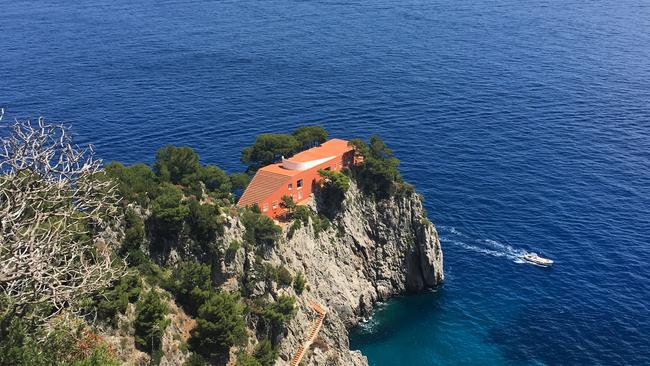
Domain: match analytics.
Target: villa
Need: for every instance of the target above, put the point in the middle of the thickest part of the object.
(295, 177)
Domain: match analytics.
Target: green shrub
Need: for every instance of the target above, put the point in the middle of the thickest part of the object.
(244, 359)
(196, 360)
(174, 163)
(191, 285)
(284, 276)
(216, 180)
(299, 283)
(133, 238)
(168, 210)
(269, 148)
(115, 299)
(265, 353)
(239, 181)
(260, 229)
(378, 173)
(220, 325)
(281, 311)
(136, 183)
(24, 344)
(204, 221)
(233, 248)
(150, 322)
(310, 136)
(99, 356)
(332, 191)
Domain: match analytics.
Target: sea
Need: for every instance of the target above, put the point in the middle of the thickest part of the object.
(525, 125)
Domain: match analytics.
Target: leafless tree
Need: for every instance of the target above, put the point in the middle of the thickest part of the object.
(55, 201)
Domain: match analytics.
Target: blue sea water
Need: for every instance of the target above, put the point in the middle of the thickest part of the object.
(526, 125)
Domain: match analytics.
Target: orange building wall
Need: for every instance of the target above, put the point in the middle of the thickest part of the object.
(309, 178)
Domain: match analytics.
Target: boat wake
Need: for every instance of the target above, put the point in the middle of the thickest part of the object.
(489, 247)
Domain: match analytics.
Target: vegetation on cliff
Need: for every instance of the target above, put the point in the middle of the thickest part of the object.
(139, 237)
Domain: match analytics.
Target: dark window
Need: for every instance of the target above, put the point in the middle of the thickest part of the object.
(299, 183)
(328, 168)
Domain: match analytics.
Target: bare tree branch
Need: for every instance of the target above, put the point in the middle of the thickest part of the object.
(55, 201)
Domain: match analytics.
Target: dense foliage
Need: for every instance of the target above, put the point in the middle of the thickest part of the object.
(186, 205)
(22, 344)
(174, 163)
(150, 321)
(260, 229)
(265, 353)
(299, 283)
(280, 311)
(332, 191)
(115, 299)
(220, 325)
(136, 183)
(191, 285)
(378, 173)
(271, 147)
(310, 136)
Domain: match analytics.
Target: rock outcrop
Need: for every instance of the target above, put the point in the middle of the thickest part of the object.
(372, 251)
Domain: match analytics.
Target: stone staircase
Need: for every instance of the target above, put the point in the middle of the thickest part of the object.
(313, 333)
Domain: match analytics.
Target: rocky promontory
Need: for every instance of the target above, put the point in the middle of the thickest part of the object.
(373, 250)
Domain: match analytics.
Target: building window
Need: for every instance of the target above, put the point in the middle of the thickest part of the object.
(328, 168)
(275, 204)
(299, 183)
(299, 195)
(290, 186)
(266, 207)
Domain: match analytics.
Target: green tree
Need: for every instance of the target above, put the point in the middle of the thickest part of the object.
(136, 183)
(220, 325)
(168, 209)
(133, 238)
(265, 353)
(24, 344)
(204, 221)
(260, 229)
(299, 283)
(269, 148)
(239, 181)
(196, 360)
(378, 174)
(216, 180)
(191, 285)
(284, 276)
(150, 322)
(281, 311)
(310, 136)
(244, 359)
(115, 299)
(173, 163)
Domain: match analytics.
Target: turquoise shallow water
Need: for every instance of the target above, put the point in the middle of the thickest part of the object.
(526, 125)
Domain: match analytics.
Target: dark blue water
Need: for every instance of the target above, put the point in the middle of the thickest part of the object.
(525, 124)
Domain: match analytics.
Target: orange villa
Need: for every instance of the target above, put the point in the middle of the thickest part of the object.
(295, 177)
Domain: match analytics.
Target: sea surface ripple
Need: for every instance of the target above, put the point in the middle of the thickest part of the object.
(526, 125)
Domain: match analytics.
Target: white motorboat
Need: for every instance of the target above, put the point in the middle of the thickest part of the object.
(537, 260)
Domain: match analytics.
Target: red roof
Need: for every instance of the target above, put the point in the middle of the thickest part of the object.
(271, 177)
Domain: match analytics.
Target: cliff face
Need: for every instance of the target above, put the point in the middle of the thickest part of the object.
(371, 252)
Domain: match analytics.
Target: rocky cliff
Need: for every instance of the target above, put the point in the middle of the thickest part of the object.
(372, 251)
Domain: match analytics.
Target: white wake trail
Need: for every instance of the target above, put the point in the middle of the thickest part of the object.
(484, 246)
